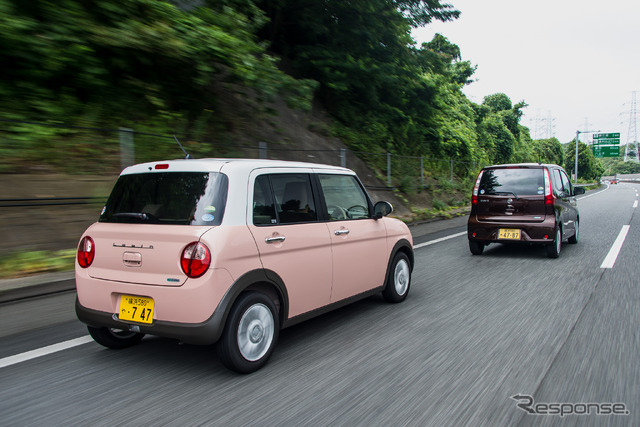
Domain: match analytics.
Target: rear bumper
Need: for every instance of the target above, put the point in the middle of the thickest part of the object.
(530, 232)
(207, 332)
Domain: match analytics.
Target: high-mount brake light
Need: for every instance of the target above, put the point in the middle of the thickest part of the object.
(474, 195)
(549, 198)
(86, 252)
(195, 259)
(162, 166)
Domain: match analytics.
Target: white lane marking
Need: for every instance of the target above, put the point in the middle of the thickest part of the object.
(39, 352)
(593, 194)
(635, 204)
(611, 257)
(442, 239)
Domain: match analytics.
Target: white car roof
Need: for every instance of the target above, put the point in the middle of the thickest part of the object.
(215, 165)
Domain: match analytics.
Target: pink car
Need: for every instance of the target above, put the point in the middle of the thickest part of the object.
(231, 251)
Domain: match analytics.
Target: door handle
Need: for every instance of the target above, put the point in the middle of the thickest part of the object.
(341, 232)
(274, 239)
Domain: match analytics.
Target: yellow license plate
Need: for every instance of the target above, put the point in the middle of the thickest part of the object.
(136, 309)
(509, 233)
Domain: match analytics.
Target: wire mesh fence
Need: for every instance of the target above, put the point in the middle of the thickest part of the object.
(42, 147)
(55, 178)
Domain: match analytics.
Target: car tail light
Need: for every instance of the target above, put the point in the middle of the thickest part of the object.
(86, 252)
(474, 195)
(162, 166)
(195, 259)
(549, 198)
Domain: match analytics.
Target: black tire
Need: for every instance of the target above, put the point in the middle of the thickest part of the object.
(114, 338)
(476, 247)
(250, 333)
(574, 239)
(398, 279)
(553, 249)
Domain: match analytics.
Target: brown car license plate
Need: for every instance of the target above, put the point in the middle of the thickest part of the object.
(136, 309)
(509, 233)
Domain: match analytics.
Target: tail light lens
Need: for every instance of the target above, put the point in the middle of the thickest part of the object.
(195, 259)
(474, 195)
(86, 252)
(549, 198)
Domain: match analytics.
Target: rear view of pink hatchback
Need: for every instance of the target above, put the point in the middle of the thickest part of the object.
(231, 251)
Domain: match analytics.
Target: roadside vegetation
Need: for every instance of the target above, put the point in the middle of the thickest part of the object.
(26, 263)
(206, 70)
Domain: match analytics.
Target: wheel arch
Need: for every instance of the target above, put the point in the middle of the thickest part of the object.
(262, 280)
(405, 247)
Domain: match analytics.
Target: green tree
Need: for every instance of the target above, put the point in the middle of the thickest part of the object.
(589, 169)
(140, 57)
(370, 74)
(497, 138)
(548, 151)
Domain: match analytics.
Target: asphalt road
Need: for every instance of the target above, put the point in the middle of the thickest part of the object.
(474, 332)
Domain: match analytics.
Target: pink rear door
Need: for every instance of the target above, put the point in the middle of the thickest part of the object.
(291, 241)
(301, 255)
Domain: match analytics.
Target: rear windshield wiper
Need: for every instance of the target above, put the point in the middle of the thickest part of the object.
(137, 215)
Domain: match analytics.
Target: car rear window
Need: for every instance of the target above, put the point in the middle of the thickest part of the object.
(516, 181)
(175, 198)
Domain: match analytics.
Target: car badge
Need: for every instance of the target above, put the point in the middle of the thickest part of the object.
(132, 246)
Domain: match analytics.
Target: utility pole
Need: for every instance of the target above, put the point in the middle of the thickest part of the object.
(576, 167)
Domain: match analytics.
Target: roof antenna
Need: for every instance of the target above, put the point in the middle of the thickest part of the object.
(186, 155)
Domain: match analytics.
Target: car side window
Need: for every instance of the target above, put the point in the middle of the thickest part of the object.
(344, 197)
(294, 198)
(557, 180)
(263, 208)
(566, 183)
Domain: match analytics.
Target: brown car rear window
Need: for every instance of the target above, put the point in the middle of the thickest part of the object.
(512, 181)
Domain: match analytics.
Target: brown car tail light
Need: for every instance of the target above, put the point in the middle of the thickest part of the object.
(474, 195)
(195, 259)
(549, 198)
(86, 252)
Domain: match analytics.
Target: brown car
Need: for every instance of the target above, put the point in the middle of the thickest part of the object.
(526, 203)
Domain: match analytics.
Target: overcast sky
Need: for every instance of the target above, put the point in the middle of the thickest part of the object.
(574, 61)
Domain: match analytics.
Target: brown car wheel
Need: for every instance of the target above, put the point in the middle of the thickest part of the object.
(476, 247)
(553, 249)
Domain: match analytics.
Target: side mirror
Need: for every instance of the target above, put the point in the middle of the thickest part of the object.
(381, 209)
(578, 190)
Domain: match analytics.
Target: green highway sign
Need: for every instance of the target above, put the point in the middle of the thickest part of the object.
(603, 142)
(606, 150)
(615, 135)
(606, 141)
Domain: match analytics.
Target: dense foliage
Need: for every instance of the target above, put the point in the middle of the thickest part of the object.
(616, 165)
(193, 66)
(143, 64)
